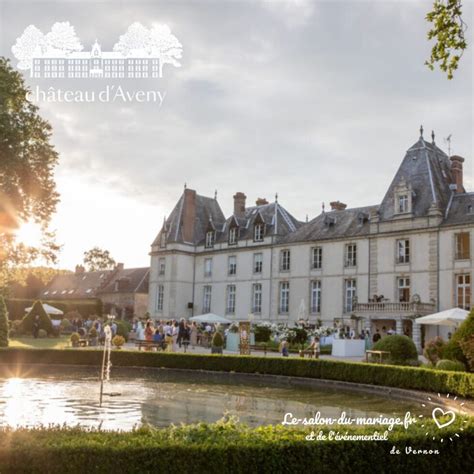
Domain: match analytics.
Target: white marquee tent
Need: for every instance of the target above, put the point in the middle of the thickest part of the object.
(449, 317)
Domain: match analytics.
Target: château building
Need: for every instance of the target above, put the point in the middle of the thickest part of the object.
(375, 267)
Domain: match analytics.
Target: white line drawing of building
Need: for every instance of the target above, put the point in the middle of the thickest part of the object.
(140, 53)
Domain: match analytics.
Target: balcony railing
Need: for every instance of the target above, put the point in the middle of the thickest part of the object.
(398, 307)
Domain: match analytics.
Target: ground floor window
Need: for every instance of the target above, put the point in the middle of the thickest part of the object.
(349, 295)
(160, 297)
(315, 303)
(284, 297)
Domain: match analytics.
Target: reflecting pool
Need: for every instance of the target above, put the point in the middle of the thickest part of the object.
(62, 395)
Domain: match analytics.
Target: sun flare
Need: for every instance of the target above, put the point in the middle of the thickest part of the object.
(29, 234)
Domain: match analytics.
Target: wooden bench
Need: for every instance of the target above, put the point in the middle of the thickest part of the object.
(82, 343)
(149, 344)
(379, 353)
(264, 348)
(310, 353)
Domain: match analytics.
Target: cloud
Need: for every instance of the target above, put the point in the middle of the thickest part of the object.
(316, 100)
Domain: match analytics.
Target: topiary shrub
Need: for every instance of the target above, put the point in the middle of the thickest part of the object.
(118, 341)
(453, 350)
(433, 350)
(123, 328)
(75, 339)
(217, 343)
(42, 333)
(453, 365)
(402, 349)
(3, 323)
(44, 320)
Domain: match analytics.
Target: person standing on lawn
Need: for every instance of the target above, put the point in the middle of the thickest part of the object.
(36, 326)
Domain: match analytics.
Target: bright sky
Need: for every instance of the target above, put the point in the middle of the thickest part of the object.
(317, 101)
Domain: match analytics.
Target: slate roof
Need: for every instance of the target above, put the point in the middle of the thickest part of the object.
(427, 169)
(334, 224)
(205, 207)
(460, 210)
(133, 280)
(277, 220)
(76, 285)
(92, 284)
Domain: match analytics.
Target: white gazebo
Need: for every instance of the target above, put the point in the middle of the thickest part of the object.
(449, 317)
(210, 318)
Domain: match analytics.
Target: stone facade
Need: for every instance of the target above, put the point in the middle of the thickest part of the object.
(376, 267)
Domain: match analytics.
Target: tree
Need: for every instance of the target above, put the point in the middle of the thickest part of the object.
(448, 29)
(136, 39)
(32, 42)
(26, 172)
(62, 37)
(3, 323)
(97, 259)
(164, 45)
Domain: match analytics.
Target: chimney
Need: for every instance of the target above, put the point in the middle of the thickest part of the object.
(337, 206)
(79, 269)
(239, 204)
(261, 202)
(119, 266)
(189, 214)
(456, 171)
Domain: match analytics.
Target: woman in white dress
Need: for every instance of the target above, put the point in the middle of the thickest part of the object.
(174, 333)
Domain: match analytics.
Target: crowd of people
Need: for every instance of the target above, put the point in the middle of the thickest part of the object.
(171, 335)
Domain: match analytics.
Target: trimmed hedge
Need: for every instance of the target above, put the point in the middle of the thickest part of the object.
(230, 448)
(455, 383)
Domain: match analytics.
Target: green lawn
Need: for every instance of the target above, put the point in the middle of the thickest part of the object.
(40, 343)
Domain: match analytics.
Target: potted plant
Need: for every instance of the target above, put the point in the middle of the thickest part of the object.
(75, 339)
(118, 341)
(217, 343)
(93, 337)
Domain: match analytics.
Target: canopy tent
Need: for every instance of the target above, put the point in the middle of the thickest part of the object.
(210, 318)
(51, 310)
(449, 317)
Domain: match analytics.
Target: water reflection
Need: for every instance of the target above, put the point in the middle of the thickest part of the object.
(161, 398)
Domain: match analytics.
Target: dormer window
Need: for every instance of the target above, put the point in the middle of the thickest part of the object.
(233, 235)
(403, 203)
(163, 240)
(258, 232)
(210, 238)
(403, 198)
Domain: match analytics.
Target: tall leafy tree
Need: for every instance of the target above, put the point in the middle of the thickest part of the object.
(28, 159)
(3, 323)
(448, 30)
(97, 259)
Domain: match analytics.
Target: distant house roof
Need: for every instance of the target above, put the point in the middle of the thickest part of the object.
(91, 284)
(128, 280)
(76, 285)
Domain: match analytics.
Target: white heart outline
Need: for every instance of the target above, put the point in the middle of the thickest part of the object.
(443, 413)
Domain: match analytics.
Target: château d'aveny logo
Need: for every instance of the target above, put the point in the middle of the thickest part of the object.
(139, 53)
